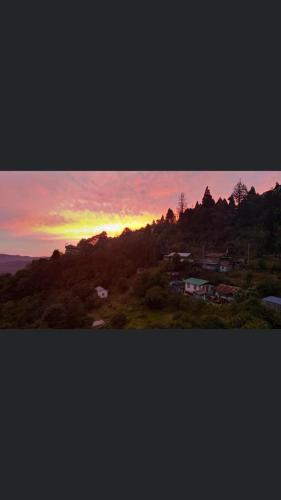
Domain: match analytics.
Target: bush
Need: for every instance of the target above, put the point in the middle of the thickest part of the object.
(262, 264)
(118, 320)
(269, 287)
(256, 323)
(155, 298)
(123, 285)
(54, 316)
(212, 321)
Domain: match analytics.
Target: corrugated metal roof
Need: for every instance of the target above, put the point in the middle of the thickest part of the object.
(196, 281)
(227, 289)
(272, 299)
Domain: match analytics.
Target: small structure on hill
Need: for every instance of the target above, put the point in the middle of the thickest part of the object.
(226, 265)
(99, 323)
(198, 287)
(182, 255)
(218, 262)
(272, 302)
(226, 293)
(102, 292)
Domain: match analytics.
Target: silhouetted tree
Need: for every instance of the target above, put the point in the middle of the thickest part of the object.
(170, 216)
(240, 192)
(182, 205)
(208, 201)
(55, 255)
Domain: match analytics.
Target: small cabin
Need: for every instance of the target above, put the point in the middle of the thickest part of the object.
(272, 302)
(199, 287)
(210, 265)
(226, 293)
(102, 292)
(184, 256)
(226, 265)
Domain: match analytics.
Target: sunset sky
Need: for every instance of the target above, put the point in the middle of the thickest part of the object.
(41, 211)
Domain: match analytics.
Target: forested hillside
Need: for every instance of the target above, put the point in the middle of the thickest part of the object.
(60, 291)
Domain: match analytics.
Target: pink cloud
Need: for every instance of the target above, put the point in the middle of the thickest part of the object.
(35, 198)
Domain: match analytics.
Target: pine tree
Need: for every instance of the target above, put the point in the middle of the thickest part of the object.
(170, 216)
(231, 202)
(240, 192)
(208, 201)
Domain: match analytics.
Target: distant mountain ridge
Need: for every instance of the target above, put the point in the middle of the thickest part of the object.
(13, 263)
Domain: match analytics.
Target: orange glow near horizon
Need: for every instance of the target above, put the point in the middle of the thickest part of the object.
(84, 224)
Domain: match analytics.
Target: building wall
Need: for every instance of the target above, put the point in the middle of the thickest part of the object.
(271, 305)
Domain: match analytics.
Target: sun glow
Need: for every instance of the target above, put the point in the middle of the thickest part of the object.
(76, 225)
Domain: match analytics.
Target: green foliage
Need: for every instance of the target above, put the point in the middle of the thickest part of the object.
(211, 321)
(155, 298)
(269, 287)
(118, 320)
(123, 285)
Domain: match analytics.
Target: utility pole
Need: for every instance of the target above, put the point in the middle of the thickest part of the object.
(248, 254)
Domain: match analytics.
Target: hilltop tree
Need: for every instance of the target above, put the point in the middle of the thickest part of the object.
(240, 192)
(182, 205)
(252, 191)
(55, 255)
(231, 202)
(170, 216)
(208, 201)
(161, 221)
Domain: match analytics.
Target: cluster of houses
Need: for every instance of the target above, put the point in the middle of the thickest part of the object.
(203, 289)
(213, 261)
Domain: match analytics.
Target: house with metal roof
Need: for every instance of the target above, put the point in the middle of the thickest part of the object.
(182, 255)
(198, 287)
(226, 293)
(272, 302)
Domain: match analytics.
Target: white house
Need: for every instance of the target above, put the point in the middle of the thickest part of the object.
(102, 292)
(198, 287)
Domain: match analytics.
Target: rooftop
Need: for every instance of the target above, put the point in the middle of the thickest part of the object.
(100, 289)
(181, 254)
(227, 289)
(272, 299)
(196, 281)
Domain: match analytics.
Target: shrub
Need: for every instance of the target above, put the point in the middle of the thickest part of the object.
(212, 321)
(54, 316)
(256, 323)
(118, 320)
(123, 285)
(155, 298)
(269, 287)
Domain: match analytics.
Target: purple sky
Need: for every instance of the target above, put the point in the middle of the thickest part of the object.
(40, 211)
